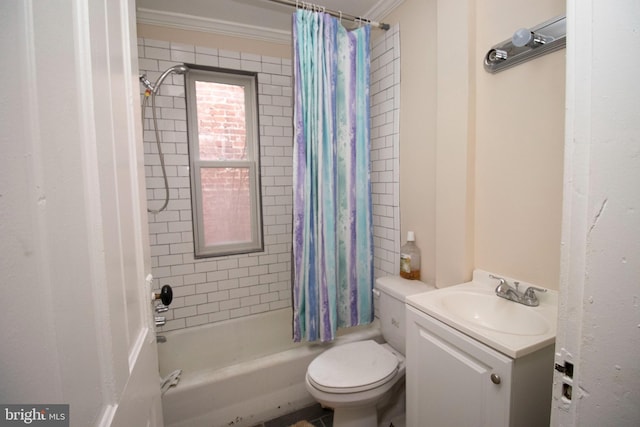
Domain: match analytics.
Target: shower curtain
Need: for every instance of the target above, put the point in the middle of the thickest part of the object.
(332, 226)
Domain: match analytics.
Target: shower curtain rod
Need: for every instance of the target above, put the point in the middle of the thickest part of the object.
(337, 14)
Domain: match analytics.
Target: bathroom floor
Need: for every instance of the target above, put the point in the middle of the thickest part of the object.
(314, 415)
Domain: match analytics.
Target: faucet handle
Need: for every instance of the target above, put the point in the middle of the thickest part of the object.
(529, 297)
(501, 279)
(502, 284)
(165, 295)
(529, 291)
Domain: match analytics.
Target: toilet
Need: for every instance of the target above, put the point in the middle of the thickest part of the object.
(361, 379)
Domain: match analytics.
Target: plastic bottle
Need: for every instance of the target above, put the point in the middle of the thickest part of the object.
(410, 258)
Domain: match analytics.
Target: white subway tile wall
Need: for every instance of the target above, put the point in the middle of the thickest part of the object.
(385, 152)
(215, 289)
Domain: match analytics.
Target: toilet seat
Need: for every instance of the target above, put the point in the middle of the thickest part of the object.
(352, 368)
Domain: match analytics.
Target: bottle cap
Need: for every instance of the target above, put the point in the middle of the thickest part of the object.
(411, 237)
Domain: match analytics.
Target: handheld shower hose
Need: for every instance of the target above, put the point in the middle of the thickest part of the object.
(151, 91)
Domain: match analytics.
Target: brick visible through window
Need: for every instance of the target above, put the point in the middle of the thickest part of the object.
(224, 153)
(221, 121)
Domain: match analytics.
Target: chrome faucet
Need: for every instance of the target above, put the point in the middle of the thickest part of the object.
(506, 291)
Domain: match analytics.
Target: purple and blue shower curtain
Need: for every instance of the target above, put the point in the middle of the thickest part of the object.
(332, 224)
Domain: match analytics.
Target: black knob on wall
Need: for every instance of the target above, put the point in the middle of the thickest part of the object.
(165, 295)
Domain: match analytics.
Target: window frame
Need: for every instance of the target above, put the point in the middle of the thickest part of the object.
(249, 81)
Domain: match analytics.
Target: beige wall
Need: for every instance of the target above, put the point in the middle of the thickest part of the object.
(418, 111)
(480, 155)
(212, 40)
(520, 147)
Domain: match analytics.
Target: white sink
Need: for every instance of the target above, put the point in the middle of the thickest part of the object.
(474, 309)
(496, 314)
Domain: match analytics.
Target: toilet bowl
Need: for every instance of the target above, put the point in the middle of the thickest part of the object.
(354, 379)
(357, 379)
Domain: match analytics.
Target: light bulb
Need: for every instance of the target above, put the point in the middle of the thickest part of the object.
(522, 37)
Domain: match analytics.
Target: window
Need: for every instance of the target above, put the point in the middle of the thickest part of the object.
(222, 120)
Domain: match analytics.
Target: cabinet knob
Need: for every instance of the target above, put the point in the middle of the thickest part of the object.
(495, 378)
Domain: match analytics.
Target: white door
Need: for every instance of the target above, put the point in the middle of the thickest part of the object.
(598, 338)
(76, 314)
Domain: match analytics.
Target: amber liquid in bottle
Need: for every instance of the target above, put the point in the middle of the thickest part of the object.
(410, 259)
(412, 275)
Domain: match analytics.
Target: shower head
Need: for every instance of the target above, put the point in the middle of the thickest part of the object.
(180, 69)
(176, 69)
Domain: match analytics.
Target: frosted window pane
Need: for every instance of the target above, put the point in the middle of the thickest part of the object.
(226, 203)
(222, 126)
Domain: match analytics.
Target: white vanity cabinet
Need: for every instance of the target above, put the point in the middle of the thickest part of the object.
(455, 380)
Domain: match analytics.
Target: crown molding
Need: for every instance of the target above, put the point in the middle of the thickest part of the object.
(382, 8)
(229, 28)
(208, 25)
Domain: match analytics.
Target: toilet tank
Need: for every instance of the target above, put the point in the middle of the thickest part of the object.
(390, 294)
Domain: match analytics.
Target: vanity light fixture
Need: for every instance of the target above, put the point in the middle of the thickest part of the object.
(527, 44)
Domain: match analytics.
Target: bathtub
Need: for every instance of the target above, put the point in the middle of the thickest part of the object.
(241, 372)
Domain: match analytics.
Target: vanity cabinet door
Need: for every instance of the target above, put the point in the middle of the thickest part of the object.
(453, 380)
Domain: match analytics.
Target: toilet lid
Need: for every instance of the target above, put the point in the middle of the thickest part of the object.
(352, 367)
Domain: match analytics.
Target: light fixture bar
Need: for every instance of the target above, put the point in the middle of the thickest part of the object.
(527, 44)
